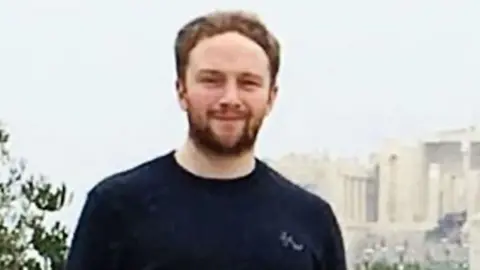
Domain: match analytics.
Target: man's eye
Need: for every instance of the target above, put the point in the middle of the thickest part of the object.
(209, 80)
(249, 83)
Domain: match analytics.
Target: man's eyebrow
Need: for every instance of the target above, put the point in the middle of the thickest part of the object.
(244, 75)
(251, 75)
(209, 72)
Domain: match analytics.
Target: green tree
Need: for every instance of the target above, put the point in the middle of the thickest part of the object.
(28, 239)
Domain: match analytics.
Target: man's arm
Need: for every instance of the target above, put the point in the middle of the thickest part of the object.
(96, 240)
(334, 247)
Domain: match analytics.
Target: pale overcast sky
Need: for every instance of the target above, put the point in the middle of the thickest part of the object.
(87, 86)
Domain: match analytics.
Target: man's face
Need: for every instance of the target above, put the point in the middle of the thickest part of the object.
(226, 92)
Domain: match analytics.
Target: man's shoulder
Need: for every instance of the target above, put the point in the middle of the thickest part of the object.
(127, 181)
(307, 207)
(297, 193)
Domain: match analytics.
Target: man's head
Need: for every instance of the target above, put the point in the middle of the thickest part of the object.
(227, 65)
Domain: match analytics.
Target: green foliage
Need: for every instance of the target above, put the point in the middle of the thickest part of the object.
(382, 265)
(391, 266)
(27, 239)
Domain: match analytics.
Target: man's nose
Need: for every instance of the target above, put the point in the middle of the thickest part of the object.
(230, 96)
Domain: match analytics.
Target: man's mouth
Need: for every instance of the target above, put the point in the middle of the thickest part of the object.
(229, 117)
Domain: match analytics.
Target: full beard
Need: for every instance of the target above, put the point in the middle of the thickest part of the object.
(205, 138)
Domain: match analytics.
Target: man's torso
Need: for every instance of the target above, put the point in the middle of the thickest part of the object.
(201, 236)
(262, 226)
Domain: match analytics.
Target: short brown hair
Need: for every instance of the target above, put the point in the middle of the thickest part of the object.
(219, 22)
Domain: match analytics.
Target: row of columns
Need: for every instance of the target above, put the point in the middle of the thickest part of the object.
(355, 199)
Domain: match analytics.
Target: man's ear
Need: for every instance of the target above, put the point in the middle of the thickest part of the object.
(181, 92)
(272, 97)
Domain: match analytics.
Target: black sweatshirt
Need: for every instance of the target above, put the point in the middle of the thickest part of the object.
(159, 216)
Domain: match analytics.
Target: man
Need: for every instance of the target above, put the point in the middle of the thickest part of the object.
(211, 205)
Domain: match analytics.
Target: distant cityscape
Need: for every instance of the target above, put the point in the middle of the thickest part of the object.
(416, 201)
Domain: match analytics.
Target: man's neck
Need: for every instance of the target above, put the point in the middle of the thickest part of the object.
(206, 165)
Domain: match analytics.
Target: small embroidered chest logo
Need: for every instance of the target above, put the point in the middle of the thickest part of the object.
(288, 241)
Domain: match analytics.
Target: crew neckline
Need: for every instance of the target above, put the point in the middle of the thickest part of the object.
(249, 179)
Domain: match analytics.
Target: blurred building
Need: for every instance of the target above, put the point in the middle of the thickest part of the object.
(405, 185)
(422, 181)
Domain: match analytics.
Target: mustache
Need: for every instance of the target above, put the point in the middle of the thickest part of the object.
(228, 114)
